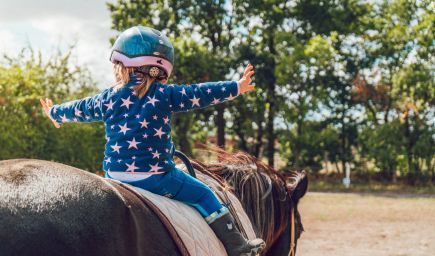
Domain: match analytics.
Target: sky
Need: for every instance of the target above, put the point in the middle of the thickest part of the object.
(47, 25)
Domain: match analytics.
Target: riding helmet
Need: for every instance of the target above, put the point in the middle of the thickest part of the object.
(146, 48)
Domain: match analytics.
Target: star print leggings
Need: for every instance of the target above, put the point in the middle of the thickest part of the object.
(180, 186)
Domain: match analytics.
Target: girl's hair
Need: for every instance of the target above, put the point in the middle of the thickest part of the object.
(122, 76)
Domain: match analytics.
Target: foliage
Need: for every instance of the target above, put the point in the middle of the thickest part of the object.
(338, 82)
(25, 132)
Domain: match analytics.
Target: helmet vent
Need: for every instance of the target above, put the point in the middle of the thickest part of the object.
(156, 32)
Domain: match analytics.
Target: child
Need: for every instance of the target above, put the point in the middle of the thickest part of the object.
(137, 116)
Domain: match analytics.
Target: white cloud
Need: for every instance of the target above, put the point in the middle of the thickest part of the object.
(48, 25)
(8, 41)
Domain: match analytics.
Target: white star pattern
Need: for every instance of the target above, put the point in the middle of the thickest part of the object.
(144, 123)
(156, 154)
(155, 117)
(64, 119)
(108, 160)
(152, 100)
(116, 148)
(215, 101)
(126, 102)
(124, 128)
(161, 89)
(155, 168)
(208, 91)
(182, 105)
(166, 120)
(145, 136)
(133, 143)
(109, 105)
(195, 101)
(77, 112)
(183, 92)
(131, 167)
(231, 97)
(159, 132)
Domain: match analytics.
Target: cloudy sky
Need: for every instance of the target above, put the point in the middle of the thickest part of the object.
(49, 24)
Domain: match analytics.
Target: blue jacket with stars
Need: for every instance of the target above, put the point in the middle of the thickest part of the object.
(138, 130)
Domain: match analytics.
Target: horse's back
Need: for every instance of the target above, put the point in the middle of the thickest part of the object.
(49, 208)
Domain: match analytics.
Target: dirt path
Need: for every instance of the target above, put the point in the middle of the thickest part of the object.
(354, 224)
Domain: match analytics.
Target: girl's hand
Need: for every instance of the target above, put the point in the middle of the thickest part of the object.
(46, 105)
(244, 82)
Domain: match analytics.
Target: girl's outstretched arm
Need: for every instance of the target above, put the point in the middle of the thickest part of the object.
(89, 109)
(194, 96)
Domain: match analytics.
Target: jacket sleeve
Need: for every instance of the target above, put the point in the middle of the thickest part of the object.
(194, 96)
(89, 109)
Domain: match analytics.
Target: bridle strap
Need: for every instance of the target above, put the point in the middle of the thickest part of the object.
(292, 233)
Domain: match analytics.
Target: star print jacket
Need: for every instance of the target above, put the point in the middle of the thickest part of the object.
(138, 130)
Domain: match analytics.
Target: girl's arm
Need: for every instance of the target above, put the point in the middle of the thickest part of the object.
(89, 109)
(194, 96)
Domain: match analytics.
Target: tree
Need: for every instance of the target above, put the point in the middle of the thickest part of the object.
(25, 130)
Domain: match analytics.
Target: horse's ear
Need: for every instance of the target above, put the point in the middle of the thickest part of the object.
(301, 187)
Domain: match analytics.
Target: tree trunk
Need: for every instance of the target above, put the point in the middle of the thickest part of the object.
(259, 142)
(409, 154)
(271, 101)
(240, 133)
(220, 123)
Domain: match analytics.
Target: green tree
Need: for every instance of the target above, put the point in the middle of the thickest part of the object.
(25, 132)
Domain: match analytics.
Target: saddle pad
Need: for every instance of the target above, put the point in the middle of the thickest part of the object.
(198, 238)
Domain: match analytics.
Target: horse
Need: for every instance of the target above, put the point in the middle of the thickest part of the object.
(48, 208)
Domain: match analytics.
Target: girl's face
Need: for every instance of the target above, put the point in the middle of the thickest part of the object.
(163, 81)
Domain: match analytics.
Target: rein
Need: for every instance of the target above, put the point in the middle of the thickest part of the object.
(292, 233)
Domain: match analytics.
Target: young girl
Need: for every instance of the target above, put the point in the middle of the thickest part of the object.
(137, 115)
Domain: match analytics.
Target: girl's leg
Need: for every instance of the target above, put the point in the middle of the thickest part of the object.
(180, 186)
(183, 187)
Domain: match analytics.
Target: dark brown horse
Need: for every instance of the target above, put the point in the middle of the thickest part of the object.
(49, 208)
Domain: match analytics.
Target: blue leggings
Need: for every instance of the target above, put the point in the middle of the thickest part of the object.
(180, 186)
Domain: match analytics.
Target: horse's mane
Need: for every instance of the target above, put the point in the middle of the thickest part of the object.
(261, 189)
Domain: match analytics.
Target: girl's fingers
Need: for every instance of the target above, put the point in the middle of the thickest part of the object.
(250, 74)
(247, 69)
(55, 124)
(44, 105)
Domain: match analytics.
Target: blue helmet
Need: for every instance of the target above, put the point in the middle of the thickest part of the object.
(143, 46)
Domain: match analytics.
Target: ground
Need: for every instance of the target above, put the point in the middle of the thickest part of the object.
(367, 224)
